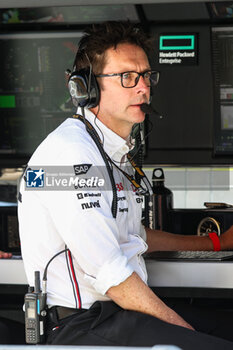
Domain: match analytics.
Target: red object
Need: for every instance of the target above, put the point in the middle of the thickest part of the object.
(215, 239)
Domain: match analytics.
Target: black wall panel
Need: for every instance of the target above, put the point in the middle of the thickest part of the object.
(185, 98)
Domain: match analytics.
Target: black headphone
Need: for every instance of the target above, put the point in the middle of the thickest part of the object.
(82, 84)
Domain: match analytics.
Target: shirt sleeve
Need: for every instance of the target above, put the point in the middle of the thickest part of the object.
(111, 274)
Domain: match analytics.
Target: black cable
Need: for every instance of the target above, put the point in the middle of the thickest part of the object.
(109, 170)
(46, 267)
(140, 146)
(96, 115)
(139, 159)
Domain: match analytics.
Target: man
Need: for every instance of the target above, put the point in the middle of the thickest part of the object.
(97, 291)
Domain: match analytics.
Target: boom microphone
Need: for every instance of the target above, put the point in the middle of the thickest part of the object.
(147, 109)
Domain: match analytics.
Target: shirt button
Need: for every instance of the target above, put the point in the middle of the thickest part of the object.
(125, 149)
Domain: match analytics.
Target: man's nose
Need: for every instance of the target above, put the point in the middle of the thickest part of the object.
(142, 85)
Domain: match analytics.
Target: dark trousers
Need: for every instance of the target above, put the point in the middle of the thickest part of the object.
(11, 332)
(105, 323)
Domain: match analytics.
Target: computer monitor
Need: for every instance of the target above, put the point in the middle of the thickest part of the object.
(9, 231)
(222, 54)
(33, 94)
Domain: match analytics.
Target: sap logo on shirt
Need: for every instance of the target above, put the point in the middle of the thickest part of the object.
(35, 178)
(80, 169)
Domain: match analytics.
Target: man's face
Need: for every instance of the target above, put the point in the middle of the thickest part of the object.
(119, 107)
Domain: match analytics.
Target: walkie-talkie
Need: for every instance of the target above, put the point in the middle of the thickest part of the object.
(35, 313)
(35, 302)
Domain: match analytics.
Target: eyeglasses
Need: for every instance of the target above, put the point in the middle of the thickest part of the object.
(130, 79)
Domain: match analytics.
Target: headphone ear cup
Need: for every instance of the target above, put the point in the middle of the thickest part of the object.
(84, 89)
(94, 94)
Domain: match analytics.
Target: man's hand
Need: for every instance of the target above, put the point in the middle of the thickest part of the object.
(133, 294)
(4, 255)
(177, 320)
(226, 239)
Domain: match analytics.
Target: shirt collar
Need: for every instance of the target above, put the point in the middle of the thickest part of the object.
(114, 145)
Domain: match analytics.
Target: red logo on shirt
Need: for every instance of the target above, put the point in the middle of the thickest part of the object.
(119, 187)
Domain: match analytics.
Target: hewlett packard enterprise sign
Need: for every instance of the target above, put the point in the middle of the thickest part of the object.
(178, 49)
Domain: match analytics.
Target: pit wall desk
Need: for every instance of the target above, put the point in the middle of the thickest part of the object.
(168, 278)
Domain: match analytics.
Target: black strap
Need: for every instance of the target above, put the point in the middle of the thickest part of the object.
(92, 132)
(58, 313)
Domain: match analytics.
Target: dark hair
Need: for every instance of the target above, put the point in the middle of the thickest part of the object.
(102, 36)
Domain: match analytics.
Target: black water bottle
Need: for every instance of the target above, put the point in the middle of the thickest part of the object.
(162, 201)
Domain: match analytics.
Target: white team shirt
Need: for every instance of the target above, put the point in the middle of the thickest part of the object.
(103, 251)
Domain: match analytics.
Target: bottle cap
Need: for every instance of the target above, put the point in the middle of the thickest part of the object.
(158, 174)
